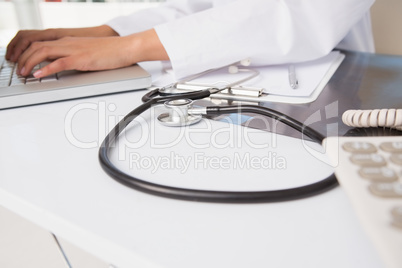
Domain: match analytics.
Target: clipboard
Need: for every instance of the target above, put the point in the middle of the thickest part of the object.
(272, 84)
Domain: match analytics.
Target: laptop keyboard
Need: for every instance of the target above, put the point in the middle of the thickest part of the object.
(9, 77)
(17, 91)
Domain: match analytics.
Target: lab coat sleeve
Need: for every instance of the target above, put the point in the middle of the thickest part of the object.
(148, 18)
(267, 31)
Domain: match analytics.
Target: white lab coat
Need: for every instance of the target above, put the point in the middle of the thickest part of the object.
(200, 34)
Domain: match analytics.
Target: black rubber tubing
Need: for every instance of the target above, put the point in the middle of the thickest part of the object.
(214, 196)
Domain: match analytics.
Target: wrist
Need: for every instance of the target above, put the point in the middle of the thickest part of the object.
(103, 31)
(146, 46)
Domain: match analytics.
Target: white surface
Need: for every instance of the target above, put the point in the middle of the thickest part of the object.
(374, 212)
(8, 18)
(79, 258)
(24, 244)
(51, 181)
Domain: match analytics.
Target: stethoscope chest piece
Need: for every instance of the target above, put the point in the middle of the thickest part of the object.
(178, 114)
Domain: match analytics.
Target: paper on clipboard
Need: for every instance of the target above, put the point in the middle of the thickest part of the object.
(274, 79)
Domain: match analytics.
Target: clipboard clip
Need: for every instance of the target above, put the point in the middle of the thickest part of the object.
(246, 91)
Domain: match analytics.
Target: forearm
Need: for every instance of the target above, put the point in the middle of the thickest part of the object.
(91, 53)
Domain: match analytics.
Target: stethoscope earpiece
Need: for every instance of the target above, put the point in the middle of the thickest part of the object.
(233, 69)
(245, 62)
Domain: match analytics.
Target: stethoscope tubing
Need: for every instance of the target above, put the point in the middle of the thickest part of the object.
(153, 98)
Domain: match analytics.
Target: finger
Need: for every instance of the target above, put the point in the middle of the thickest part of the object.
(19, 48)
(23, 40)
(56, 66)
(11, 45)
(25, 61)
(37, 53)
(18, 45)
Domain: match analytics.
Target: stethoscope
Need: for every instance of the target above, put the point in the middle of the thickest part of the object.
(182, 113)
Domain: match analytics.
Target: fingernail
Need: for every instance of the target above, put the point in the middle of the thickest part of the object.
(38, 73)
(22, 71)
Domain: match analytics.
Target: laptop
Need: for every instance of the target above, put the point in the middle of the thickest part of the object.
(23, 91)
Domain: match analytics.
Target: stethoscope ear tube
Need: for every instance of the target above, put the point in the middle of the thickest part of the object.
(205, 195)
(155, 94)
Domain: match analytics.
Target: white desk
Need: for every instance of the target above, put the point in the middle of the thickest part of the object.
(61, 187)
